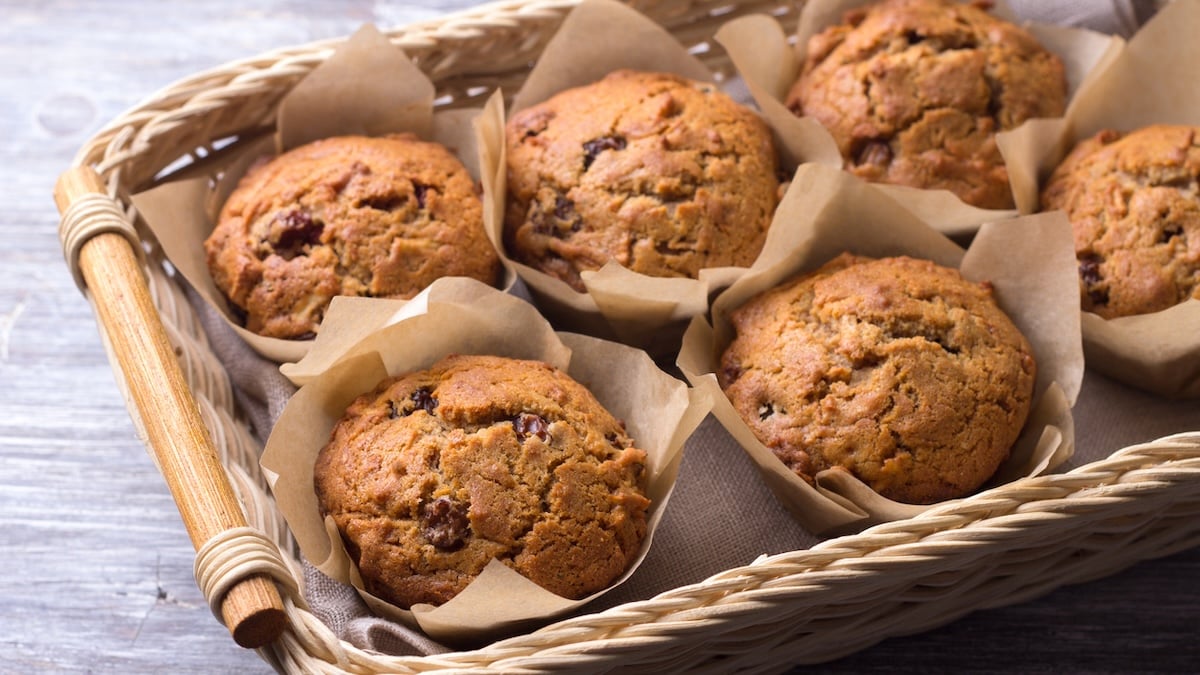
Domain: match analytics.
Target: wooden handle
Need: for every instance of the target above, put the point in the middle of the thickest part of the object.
(252, 609)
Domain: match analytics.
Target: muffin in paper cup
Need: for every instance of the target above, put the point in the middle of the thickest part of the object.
(1149, 82)
(333, 100)
(598, 39)
(369, 340)
(828, 212)
(770, 66)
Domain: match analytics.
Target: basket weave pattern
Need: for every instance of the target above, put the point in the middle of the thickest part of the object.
(1005, 545)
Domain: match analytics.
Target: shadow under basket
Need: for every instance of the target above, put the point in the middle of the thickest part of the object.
(1002, 546)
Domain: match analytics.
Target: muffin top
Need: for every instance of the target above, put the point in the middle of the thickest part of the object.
(1133, 200)
(349, 215)
(897, 370)
(435, 473)
(661, 174)
(913, 91)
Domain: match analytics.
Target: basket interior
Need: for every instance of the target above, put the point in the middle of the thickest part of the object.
(191, 127)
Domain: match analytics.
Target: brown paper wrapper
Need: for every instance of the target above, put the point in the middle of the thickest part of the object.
(334, 99)
(366, 340)
(1027, 259)
(1150, 81)
(770, 65)
(597, 37)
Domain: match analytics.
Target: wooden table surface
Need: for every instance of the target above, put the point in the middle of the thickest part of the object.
(95, 566)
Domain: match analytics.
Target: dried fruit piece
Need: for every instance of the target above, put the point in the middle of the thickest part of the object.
(444, 524)
(1089, 273)
(419, 191)
(530, 424)
(296, 229)
(563, 219)
(596, 146)
(423, 399)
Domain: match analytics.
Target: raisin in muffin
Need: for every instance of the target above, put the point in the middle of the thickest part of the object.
(913, 91)
(895, 369)
(664, 175)
(435, 473)
(1134, 205)
(349, 215)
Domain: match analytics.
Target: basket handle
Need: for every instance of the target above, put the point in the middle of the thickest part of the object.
(108, 264)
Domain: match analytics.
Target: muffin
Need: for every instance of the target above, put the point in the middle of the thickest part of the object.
(437, 472)
(350, 215)
(914, 91)
(664, 175)
(897, 370)
(1134, 205)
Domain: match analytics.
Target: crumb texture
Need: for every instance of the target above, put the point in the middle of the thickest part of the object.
(661, 174)
(914, 91)
(896, 370)
(1133, 200)
(366, 216)
(435, 473)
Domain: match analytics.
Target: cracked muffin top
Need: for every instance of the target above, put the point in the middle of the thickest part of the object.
(350, 215)
(437, 472)
(1134, 205)
(913, 91)
(661, 174)
(897, 370)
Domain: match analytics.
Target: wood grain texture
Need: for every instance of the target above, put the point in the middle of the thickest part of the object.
(96, 571)
(183, 449)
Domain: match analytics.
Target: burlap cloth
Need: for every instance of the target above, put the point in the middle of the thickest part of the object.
(721, 514)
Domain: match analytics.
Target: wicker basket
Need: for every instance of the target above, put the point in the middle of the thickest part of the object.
(1003, 546)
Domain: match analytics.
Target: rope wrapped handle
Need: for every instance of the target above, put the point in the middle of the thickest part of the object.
(234, 554)
(87, 216)
(104, 253)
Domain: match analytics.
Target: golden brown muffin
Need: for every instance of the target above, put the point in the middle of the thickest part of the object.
(914, 91)
(1134, 204)
(663, 175)
(352, 215)
(435, 473)
(895, 369)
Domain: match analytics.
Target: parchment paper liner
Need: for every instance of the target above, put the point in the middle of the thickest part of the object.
(369, 339)
(1151, 81)
(769, 65)
(335, 98)
(1027, 259)
(597, 37)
